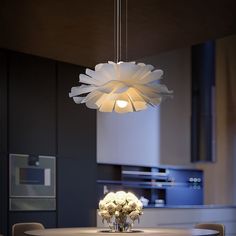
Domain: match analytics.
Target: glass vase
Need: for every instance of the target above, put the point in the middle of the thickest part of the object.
(121, 225)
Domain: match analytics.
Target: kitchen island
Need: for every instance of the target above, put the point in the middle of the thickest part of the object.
(187, 216)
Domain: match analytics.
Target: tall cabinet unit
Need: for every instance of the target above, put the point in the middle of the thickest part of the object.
(32, 117)
(39, 119)
(76, 154)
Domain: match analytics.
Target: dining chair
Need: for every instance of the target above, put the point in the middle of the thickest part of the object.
(213, 226)
(18, 229)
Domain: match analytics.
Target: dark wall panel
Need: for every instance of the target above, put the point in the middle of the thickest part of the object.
(76, 154)
(203, 97)
(32, 117)
(3, 143)
(3, 101)
(38, 117)
(32, 105)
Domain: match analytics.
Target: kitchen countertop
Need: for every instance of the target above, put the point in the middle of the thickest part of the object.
(191, 206)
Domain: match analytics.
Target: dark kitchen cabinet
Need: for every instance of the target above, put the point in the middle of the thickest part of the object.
(31, 117)
(32, 105)
(76, 154)
(39, 118)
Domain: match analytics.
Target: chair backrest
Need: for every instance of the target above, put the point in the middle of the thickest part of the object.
(19, 228)
(217, 227)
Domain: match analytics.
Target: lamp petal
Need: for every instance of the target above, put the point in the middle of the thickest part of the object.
(88, 80)
(78, 100)
(142, 71)
(160, 88)
(75, 91)
(107, 106)
(98, 66)
(109, 71)
(126, 71)
(92, 98)
(114, 87)
(134, 95)
(151, 76)
(138, 106)
(156, 101)
(98, 76)
(138, 101)
(145, 90)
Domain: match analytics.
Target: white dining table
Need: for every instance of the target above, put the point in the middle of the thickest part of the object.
(138, 232)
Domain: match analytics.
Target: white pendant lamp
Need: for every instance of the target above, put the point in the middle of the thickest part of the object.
(121, 87)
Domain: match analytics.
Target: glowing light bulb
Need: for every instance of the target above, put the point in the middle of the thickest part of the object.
(121, 103)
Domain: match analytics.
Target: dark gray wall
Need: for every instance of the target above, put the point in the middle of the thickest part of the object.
(38, 117)
(3, 143)
(76, 154)
(32, 116)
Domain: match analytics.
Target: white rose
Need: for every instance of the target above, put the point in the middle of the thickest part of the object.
(120, 198)
(139, 205)
(111, 207)
(126, 209)
(121, 194)
(110, 197)
(134, 215)
(120, 201)
(105, 215)
(131, 197)
(102, 205)
(118, 207)
(132, 205)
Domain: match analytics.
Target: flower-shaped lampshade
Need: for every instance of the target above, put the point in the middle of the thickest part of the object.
(121, 87)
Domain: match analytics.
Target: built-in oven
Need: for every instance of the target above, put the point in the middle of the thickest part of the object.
(32, 182)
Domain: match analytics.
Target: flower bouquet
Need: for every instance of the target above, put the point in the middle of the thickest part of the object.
(117, 208)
